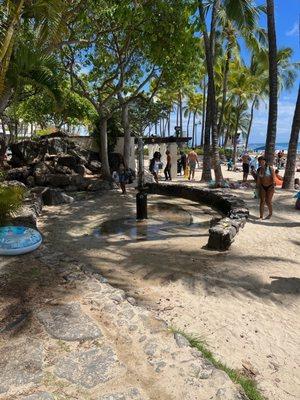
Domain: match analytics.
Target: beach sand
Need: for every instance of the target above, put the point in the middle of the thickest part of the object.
(244, 303)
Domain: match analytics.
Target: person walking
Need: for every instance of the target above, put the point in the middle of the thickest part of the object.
(167, 170)
(266, 184)
(192, 159)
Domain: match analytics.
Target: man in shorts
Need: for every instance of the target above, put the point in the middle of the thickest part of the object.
(192, 159)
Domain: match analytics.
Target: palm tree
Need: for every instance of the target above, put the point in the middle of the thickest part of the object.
(193, 108)
(288, 180)
(11, 14)
(50, 19)
(287, 74)
(273, 83)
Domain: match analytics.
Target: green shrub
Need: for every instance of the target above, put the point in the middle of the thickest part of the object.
(2, 175)
(198, 150)
(11, 199)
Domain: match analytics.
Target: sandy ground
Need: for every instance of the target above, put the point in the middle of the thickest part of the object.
(244, 303)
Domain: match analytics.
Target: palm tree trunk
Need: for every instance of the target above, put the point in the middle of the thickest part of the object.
(3, 144)
(273, 84)
(180, 114)
(165, 127)
(127, 135)
(203, 112)
(188, 124)
(234, 156)
(226, 137)
(289, 175)
(169, 124)
(224, 91)
(194, 129)
(206, 169)
(104, 149)
(209, 43)
(250, 123)
(4, 99)
(8, 44)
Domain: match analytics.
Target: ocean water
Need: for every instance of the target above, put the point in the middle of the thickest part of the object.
(279, 146)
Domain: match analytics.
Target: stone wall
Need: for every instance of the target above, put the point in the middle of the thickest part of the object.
(222, 230)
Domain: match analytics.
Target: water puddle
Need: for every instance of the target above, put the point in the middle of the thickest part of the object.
(165, 219)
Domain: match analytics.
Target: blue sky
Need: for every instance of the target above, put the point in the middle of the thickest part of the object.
(287, 13)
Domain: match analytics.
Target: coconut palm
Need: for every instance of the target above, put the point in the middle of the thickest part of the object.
(48, 17)
(273, 83)
(241, 12)
(259, 67)
(288, 180)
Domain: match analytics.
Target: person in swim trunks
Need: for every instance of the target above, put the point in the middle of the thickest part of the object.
(192, 159)
(266, 185)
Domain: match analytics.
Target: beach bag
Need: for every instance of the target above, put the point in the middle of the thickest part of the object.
(186, 172)
(115, 177)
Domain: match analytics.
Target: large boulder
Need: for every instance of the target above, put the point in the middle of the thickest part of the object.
(30, 151)
(54, 161)
(24, 153)
(41, 168)
(18, 174)
(99, 185)
(67, 160)
(95, 166)
(62, 180)
(53, 197)
(30, 211)
(57, 180)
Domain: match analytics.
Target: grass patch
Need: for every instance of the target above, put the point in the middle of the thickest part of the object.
(248, 384)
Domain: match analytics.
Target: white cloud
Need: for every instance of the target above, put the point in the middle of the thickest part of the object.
(294, 31)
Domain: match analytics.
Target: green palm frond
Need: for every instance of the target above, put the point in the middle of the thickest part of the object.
(242, 12)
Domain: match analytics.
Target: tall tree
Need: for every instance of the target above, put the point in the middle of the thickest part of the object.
(289, 175)
(273, 83)
(209, 52)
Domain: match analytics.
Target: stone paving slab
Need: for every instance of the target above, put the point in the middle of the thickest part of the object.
(135, 358)
(39, 396)
(132, 394)
(68, 322)
(20, 364)
(89, 368)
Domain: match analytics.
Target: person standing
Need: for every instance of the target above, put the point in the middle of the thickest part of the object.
(154, 165)
(167, 170)
(266, 185)
(182, 162)
(123, 178)
(246, 166)
(192, 160)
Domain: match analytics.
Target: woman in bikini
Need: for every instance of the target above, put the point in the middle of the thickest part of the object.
(266, 184)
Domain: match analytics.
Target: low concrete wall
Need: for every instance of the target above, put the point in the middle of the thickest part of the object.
(222, 230)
